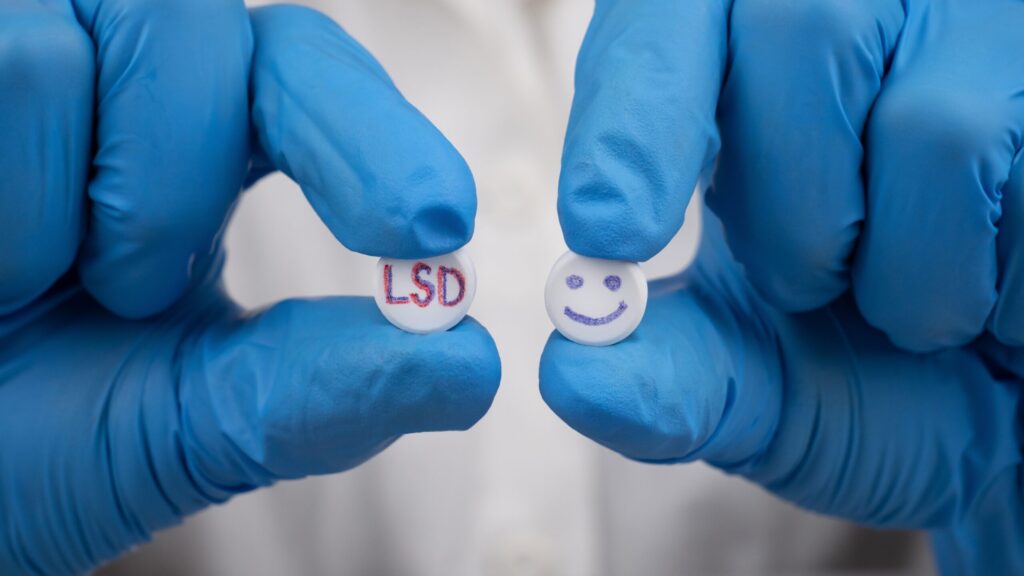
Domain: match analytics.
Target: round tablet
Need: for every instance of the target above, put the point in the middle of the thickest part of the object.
(425, 295)
(593, 301)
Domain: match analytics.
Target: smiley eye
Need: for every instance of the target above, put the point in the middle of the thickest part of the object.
(613, 283)
(573, 282)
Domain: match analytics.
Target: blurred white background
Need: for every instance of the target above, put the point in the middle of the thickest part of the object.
(521, 493)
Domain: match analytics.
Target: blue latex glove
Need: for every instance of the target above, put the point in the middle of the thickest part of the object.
(820, 407)
(112, 428)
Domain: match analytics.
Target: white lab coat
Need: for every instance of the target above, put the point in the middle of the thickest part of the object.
(521, 493)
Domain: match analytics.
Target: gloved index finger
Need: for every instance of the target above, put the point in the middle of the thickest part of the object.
(642, 127)
(379, 174)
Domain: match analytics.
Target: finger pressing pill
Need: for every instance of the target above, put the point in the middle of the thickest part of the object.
(425, 295)
(593, 301)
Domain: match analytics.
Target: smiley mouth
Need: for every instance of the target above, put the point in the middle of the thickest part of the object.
(590, 321)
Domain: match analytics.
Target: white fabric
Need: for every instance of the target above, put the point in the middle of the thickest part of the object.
(521, 493)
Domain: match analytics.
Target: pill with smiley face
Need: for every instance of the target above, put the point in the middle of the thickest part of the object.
(593, 301)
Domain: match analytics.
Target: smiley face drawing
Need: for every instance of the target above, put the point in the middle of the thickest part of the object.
(593, 301)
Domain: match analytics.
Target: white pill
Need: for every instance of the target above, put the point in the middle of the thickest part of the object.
(593, 301)
(425, 295)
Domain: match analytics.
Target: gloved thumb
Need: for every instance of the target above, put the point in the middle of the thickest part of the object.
(697, 380)
(819, 408)
(313, 387)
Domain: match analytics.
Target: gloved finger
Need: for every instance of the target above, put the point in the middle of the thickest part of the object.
(642, 127)
(311, 387)
(172, 143)
(702, 359)
(1007, 320)
(941, 141)
(379, 174)
(46, 90)
(813, 407)
(661, 395)
(803, 76)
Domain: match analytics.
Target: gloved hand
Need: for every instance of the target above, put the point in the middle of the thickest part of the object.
(867, 152)
(132, 390)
